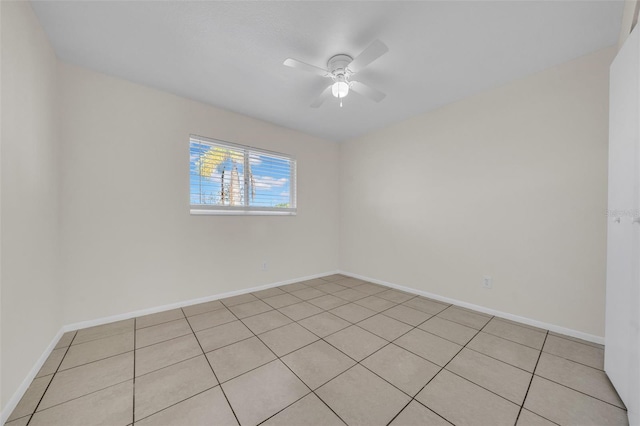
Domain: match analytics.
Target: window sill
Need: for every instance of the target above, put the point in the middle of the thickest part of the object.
(205, 212)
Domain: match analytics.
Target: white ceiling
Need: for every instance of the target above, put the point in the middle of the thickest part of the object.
(230, 54)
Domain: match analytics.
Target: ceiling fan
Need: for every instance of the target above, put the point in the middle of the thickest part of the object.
(341, 68)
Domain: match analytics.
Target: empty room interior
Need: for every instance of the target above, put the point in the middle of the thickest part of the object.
(320, 213)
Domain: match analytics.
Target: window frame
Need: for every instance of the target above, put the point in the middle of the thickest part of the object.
(209, 209)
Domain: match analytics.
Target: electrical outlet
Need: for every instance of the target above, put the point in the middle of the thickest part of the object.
(264, 266)
(487, 282)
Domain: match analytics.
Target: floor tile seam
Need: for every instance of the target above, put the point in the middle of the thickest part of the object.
(81, 396)
(166, 340)
(511, 340)
(368, 356)
(459, 323)
(19, 418)
(576, 362)
(245, 372)
(519, 405)
(278, 358)
(455, 323)
(500, 360)
(582, 392)
(355, 322)
(291, 291)
(324, 309)
(283, 306)
(379, 376)
(294, 320)
(430, 313)
(273, 352)
(398, 413)
(100, 338)
(532, 376)
(327, 405)
(404, 322)
(324, 293)
(133, 407)
(437, 335)
(271, 329)
(241, 303)
(522, 325)
(214, 373)
(330, 334)
(440, 371)
(175, 403)
(170, 365)
(539, 415)
(203, 312)
(162, 322)
(35, 410)
(39, 376)
(238, 319)
(94, 361)
(214, 326)
(438, 302)
(356, 302)
(77, 345)
(472, 311)
(347, 300)
(412, 400)
(563, 337)
(420, 356)
(281, 410)
(573, 360)
(281, 326)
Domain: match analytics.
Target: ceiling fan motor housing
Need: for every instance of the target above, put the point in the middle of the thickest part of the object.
(337, 66)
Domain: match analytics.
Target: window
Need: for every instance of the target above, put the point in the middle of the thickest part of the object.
(227, 178)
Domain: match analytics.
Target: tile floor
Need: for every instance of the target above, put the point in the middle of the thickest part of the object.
(321, 352)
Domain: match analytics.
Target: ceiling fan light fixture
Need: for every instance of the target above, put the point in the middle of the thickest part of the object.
(340, 89)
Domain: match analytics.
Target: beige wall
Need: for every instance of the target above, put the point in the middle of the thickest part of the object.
(128, 239)
(95, 217)
(31, 297)
(510, 183)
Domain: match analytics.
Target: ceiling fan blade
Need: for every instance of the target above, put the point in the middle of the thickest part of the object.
(323, 96)
(366, 91)
(370, 54)
(294, 63)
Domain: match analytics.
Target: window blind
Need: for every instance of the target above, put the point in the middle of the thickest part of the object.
(232, 178)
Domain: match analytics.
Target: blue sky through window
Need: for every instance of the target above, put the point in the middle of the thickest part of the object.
(217, 176)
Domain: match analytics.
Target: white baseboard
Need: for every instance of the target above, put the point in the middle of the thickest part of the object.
(17, 395)
(155, 309)
(6, 411)
(523, 320)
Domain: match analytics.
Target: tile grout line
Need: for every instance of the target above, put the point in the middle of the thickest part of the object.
(581, 392)
(174, 404)
(365, 367)
(95, 360)
(532, 376)
(440, 371)
(214, 373)
(76, 398)
(35, 410)
(292, 372)
(396, 304)
(135, 332)
(219, 383)
(68, 347)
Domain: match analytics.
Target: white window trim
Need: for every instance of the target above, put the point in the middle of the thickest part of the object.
(208, 209)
